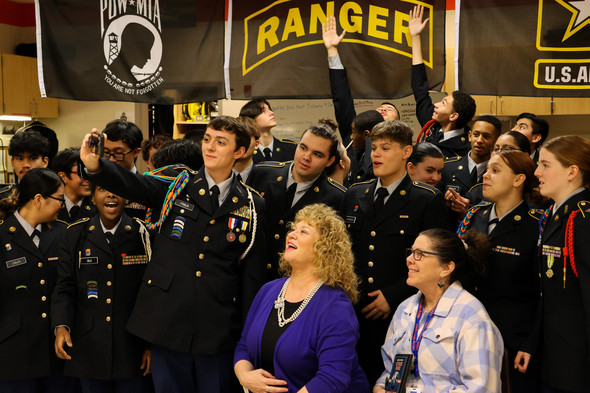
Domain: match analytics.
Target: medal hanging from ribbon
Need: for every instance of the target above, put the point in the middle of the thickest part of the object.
(232, 224)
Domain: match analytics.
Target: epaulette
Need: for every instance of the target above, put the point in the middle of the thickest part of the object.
(584, 207)
(452, 159)
(140, 221)
(63, 222)
(482, 204)
(336, 184)
(182, 167)
(273, 164)
(7, 188)
(424, 186)
(363, 182)
(250, 188)
(536, 214)
(287, 141)
(475, 185)
(80, 221)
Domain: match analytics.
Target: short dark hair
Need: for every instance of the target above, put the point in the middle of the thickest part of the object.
(326, 133)
(124, 131)
(423, 150)
(394, 130)
(155, 141)
(179, 151)
(469, 252)
(540, 126)
(340, 152)
(493, 120)
(399, 115)
(253, 108)
(367, 120)
(65, 160)
(464, 106)
(251, 127)
(522, 141)
(234, 126)
(329, 123)
(29, 141)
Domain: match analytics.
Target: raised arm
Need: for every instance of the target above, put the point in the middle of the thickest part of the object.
(331, 37)
(417, 26)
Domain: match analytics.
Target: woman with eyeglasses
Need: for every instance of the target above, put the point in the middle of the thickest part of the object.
(564, 176)
(512, 140)
(29, 239)
(510, 291)
(453, 343)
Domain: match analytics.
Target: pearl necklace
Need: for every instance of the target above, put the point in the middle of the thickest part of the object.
(280, 303)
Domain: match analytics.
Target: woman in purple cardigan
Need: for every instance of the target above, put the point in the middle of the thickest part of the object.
(301, 331)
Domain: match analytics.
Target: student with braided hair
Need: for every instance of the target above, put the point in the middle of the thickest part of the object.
(510, 292)
(564, 230)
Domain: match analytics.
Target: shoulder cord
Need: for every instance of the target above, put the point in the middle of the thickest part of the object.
(254, 223)
(145, 239)
(425, 131)
(175, 188)
(466, 221)
(568, 247)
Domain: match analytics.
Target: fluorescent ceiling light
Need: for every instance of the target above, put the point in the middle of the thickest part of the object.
(15, 118)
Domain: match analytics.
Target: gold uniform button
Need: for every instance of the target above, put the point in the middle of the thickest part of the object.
(371, 247)
(316, 189)
(234, 299)
(108, 319)
(44, 315)
(281, 222)
(109, 266)
(109, 301)
(370, 264)
(202, 192)
(373, 233)
(201, 256)
(43, 298)
(279, 178)
(198, 273)
(402, 192)
(370, 280)
(268, 265)
(277, 237)
(149, 282)
(181, 211)
(402, 232)
(40, 264)
(358, 177)
(206, 239)
(42, 282)
(109, 283)
(212, 222)
(234, 199)
(540, 275)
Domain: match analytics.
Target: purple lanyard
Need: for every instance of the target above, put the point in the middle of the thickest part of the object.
(417, 339)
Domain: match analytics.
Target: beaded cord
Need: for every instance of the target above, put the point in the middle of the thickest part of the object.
(466, 221)
(425, 131)
(175, 188)
(568, 247)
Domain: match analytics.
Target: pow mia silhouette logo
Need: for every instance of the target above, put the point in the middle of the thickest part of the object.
(132, 44)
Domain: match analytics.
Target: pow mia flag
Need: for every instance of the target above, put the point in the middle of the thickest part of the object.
(154, 51)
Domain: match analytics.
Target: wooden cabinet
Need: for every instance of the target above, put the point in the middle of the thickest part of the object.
(20, 89)
(485, 105)
(571, 106)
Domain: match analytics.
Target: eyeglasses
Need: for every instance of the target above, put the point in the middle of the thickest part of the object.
(417, 254)
(505, 148)
(61, 200)
(117, 156)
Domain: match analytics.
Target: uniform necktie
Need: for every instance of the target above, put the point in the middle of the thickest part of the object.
(380, 201)
(492, 224)
(214, 198)
(267, 154)
(290, 195)
(474, 175)
(36, 237)
(74, 211)
(109, 236)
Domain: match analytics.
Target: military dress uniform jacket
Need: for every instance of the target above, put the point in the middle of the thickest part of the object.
(94, 296)
(6, 190)
(379, 241)
(282, 150)
(565, 334)
(510, 292)
(271, 181)
(456, 174)
(456, 146)
(195, 290)
(87, 209)
(27, 277)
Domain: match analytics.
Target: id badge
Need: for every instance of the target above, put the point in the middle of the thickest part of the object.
(413, 390)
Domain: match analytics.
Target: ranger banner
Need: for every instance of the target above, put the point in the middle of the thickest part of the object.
(525, 48)
(131, 50)
(277, 49)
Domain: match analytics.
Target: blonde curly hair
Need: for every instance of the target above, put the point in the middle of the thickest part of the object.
(334, 262)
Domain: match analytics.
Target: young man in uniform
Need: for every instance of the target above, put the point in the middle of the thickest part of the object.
(384, 216)
(207, 263)
(461, 174)
(244, 167)
(270, 148)
(122, 145)
(78, 194)
(535, 129)
(287, 187)
(444, 123)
